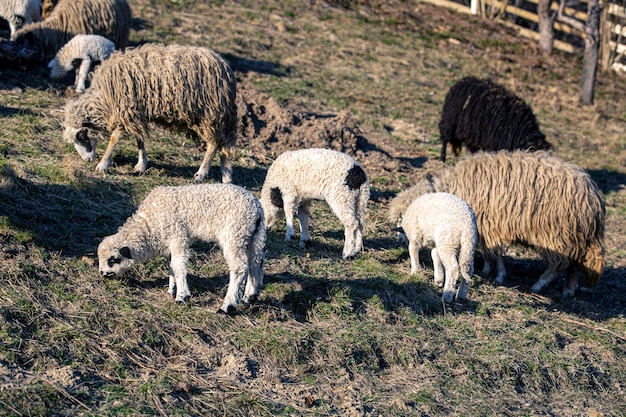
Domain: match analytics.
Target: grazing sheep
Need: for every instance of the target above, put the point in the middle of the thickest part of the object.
(529, 198)
(187, 88)
(20, 12)
(80, 53)
(108, 18)
(484, 116)
(170, 219)
(297, 178)
(448, 223)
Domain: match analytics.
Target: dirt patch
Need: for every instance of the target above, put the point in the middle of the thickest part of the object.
(269, 129)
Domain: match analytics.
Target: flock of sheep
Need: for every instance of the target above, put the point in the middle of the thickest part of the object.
(511, 190)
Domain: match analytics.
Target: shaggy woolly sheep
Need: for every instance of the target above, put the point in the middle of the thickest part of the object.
(20, 12)
(80, 53)
(296, 178)
(170, 219)
(484, 116)
(191, 89)
(448, 223)
(529, 198)
(108, 18)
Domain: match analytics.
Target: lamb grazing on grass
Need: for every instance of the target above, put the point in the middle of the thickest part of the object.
(297, 178)
(187, 88)
(170, 219)
(448, 223)
(20, 12)
(108, 18)
(528, 198)
(484, 116)
(80, 53)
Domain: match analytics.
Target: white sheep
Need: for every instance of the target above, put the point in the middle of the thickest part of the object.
(109, 18)
(297, 178)
(170, 219)
(186, 88)
(448, 223)
(80, 53)
(20, 12)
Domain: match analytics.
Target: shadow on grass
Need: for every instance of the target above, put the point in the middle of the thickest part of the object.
(62, 218)
(608, 180)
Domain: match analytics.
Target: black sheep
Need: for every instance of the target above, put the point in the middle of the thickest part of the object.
(484, 116)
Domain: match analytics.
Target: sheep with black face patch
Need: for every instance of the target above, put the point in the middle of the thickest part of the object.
(82, 53)
(184, 88)
(297, 178)
(170, 219)
(484, 116)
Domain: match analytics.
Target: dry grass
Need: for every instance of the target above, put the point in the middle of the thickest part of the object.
(328, 336)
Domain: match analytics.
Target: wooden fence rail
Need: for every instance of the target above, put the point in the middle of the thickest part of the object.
(613, 23)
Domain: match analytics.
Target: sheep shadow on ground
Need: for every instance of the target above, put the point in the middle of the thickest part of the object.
(608, 180)
(69, 220)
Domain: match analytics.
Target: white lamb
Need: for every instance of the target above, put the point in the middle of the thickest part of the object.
(170, 219)
(297, 178)
(80, 53)
(448, 223)
(20, 12)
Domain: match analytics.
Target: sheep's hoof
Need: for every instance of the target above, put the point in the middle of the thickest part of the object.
(251, 299)
(230, 310)
(183, 300)
(305, 244)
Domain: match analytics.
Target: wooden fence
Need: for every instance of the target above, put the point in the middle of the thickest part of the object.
(522, 15)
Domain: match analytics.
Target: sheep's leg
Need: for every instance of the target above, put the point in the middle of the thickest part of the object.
(290, 207)
(414, 249)
(172, 283)
(438, 267)
(106, 158)
(226, 167)
(448, 258)
(142, 159)
(303, 217)
(237, 260)
(211, 148)
(545, 278)
(466, 265)
(571, 280)
(256, 259)
(178, 266)
(500, 268)
(345, 209)
(81, 75)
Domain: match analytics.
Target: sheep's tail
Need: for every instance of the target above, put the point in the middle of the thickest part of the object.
(362, 199)
(256, 253)
(593, 264)
(466, 255)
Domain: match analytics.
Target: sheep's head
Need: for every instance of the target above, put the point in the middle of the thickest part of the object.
(56, 69)
(83, 139)
(112, 259)
(272, 206)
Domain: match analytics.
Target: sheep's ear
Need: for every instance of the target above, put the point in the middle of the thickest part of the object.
(398, 229)
(82, 137)
(125, 252)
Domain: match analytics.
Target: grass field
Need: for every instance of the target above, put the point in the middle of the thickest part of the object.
(328, 336)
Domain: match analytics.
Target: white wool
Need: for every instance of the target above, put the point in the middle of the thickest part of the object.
(80, 53)
(297, 178)
(20, 12)
(170, 219)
